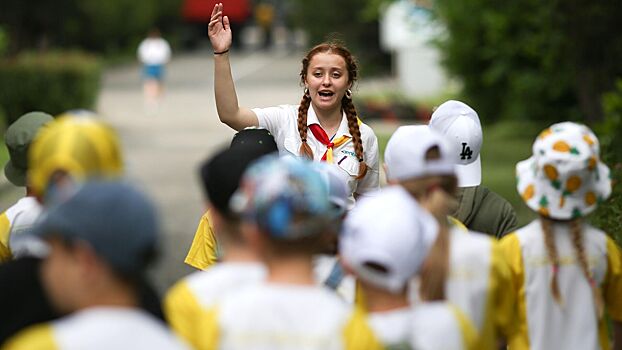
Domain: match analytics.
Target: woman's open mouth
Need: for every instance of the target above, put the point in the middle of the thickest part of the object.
(325, 93)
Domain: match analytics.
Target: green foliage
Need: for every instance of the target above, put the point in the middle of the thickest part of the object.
(609, 134)
(350, 21)
(531, 59)
(52, 82)
(4, 41)
(111, 26)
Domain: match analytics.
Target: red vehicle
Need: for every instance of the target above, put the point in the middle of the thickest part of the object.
(198, 12)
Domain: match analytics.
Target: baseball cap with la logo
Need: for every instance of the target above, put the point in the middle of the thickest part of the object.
(461, 125)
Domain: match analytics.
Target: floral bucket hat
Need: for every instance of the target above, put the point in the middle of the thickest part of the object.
(564, 178)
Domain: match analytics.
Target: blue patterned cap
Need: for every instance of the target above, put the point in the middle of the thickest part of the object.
(285, 197)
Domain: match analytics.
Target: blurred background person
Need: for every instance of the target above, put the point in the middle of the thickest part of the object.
(101, 241)
(577, 274)
(479, 208)
(264, 17)
(204, 250)
(385, 241)
(64, 154)
(21, 215)
(238, 265)
(153, 52)
(465, 267)
(286, 219)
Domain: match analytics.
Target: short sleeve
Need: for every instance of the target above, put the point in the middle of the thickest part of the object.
(371, 181)
(5, 229)
(358, 334)
(275, 119)
(203, 252)
(39, 337)
(209, 326)
(467, 330)
(505, 293)
(613, 281)
(182, 311)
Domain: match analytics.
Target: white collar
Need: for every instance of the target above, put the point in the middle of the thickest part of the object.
(343, 125)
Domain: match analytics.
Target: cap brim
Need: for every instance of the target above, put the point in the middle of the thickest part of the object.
(470, 175)
(15, 175)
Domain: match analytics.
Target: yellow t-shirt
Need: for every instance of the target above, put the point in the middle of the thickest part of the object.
(203, 252)
(545, 324)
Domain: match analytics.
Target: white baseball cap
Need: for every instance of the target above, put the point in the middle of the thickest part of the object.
(461, 125)
(389, 230)
(406, 149)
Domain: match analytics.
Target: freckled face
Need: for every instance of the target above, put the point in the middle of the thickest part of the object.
(327, 80)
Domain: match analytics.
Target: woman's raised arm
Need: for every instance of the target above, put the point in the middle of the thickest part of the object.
(229, 112)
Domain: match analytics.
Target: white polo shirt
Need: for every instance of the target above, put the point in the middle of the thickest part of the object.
(282, 122)
(98, 328)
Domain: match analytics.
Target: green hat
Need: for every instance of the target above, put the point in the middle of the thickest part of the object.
(18, 138)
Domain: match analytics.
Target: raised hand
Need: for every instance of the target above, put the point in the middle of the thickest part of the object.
(218, 30)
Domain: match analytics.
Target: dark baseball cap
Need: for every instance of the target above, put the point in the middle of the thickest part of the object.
(221, 174)
(118, 221)
(256, 138)
(18, 138)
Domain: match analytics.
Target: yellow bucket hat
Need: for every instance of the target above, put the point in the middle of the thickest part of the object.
(78, 145)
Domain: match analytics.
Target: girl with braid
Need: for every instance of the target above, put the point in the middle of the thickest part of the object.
(566, 272)
(324, 127)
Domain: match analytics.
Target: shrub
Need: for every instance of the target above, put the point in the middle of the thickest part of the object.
(607, 217)
(540, 60)
(51, 82)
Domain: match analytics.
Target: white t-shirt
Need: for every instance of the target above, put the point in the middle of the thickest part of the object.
(436, 325)
(282, 122)
(20, 218)
(185, 302)
(545, 324)
(427, 326)
(393, 328)
(280, 316)
(99, 328)
(478, 284)
(154, 51)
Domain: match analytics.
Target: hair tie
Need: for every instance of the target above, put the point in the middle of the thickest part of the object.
(360, 160)
(221, 52)
(304, 140)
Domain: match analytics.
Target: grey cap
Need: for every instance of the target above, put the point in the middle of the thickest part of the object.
(118, 221)
(18, 138)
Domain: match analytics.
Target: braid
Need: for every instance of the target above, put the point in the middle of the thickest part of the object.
(355, 131)
(435, 269)
(577, 241)
(305, 150)
(549, 242)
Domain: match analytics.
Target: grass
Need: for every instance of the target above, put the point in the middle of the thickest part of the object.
(505, 144)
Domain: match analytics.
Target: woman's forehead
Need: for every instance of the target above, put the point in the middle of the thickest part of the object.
(327, 60)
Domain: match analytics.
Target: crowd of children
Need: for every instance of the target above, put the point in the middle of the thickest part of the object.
(299, 247)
